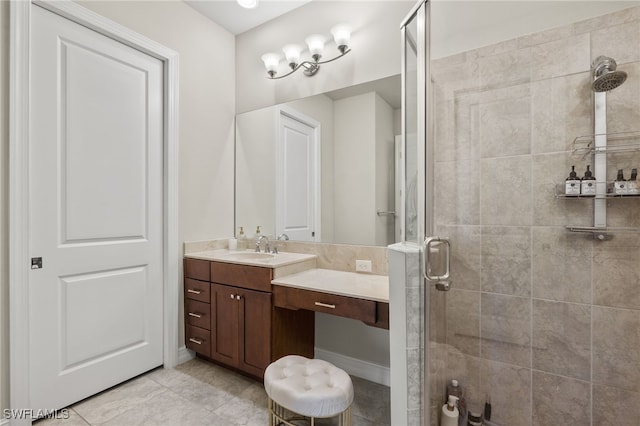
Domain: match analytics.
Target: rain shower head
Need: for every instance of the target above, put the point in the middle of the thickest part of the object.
(605, 76)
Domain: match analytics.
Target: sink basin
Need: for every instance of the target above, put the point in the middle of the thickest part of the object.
(251, 256)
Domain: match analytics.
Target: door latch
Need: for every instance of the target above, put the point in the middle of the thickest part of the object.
(36, 263)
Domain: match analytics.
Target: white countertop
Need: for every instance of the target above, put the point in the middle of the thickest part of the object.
(351, 284)
(251, 258)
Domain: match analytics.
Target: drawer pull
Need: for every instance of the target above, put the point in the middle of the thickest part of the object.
(325, 305)
(196, 341)
(193, 291)
(193, 314)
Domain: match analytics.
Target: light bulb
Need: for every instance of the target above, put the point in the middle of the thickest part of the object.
(271, 61)
(292, 53)
(248, 4)
(342, 36)
(316, 45)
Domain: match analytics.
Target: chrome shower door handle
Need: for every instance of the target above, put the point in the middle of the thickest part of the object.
(431, 257)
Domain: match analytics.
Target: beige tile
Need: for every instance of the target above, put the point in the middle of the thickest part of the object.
(506, 69)
(561, 110)
(506, 260)
(414, 316)
(620, 42)
(615, 407)
(548, 170)
(367, 398)
(560, 401)
(249, 408)
(457, 126)
(616, 347)
(616, 18)
(505, 329)
(498, 48)
(561, 57)
(465, 255)
(437, 315)
(463, 321)
(110, 404)
(623, 112)
(562, 338)
(509, 388)
(616, 273)
(506, 191)
(65, 417)
(167, 408)
(466, 370)
(414, 378)
(505, 127)
(457, 193)
(561, 265)
(547, 36)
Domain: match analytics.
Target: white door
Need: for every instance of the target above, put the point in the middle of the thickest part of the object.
(96, 220)
(297, 178)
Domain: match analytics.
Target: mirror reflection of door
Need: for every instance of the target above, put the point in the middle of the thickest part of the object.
(297, 176)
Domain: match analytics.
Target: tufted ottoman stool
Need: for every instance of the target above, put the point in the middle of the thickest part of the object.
(310, 388)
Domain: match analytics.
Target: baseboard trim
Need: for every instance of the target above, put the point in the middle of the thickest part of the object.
(184, 355)
(366, 370)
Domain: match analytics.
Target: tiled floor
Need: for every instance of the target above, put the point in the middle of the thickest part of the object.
(200, 393)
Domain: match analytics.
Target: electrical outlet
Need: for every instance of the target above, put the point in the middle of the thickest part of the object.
(363, 265)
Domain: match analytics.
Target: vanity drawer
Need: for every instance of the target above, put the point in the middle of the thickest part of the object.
(198, 313)
(349, 307)
(251, 277)
(196, 269)
(197, 290)
(198, 339)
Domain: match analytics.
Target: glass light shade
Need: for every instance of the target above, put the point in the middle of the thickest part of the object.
(292, 53)
(271, 61)
(341, 34)
(248, 4)
(315, 43)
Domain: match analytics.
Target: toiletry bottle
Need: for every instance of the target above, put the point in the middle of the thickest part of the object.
(258, 234)
(588, 183)
(454, 389)
(450, 413)
(242, 240)
(632, 184)
(572, 184)
(620, 185)
(487, 405)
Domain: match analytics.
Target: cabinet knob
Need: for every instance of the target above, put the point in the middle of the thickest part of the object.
(238, 297)
(232, 296)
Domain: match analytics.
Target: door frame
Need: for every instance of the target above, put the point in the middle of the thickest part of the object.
(19, 250)
(285, 110)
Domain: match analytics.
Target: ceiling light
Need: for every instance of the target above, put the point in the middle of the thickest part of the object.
(341, 35)
(248, 4)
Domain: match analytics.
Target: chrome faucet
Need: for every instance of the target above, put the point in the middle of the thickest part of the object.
(282, 236)
(266, 244)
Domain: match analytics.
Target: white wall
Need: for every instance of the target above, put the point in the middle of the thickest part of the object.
(375, 43)
(4, 205)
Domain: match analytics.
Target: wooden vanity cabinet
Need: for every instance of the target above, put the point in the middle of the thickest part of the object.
(244, 330)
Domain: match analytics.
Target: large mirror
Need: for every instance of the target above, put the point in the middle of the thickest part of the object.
(323, 168)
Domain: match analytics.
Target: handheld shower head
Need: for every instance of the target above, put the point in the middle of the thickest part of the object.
(605, 76)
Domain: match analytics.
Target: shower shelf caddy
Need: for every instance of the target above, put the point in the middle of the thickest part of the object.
(584, 146)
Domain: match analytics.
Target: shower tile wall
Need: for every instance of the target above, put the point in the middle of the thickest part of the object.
(544, 321)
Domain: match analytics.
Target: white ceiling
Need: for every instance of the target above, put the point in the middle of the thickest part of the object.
(236, 19)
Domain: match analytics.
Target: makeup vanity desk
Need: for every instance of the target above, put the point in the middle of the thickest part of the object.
(247, 310)
(363, 297)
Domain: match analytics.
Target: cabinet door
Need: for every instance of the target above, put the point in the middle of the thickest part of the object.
(224, 324)
(255, 331)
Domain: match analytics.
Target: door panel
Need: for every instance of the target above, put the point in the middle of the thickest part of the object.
(96, 172)
(297, 181)
(224, 324)
(255, 331)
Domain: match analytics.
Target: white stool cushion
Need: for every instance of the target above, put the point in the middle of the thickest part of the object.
(311, 387)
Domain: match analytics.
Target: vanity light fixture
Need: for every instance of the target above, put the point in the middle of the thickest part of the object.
(248, 4)
(341, 35)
